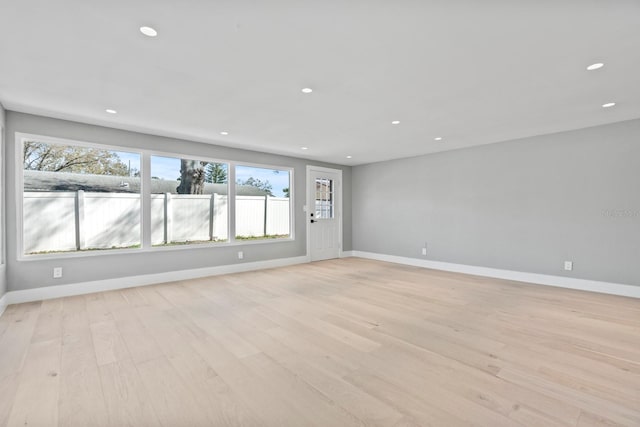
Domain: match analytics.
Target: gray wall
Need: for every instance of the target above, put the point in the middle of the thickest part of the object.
(3, 270)
(526, 205)
(31, 274)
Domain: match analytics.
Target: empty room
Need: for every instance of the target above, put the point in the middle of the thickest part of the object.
(320, 213)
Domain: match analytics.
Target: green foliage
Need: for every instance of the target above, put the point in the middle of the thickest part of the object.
(66, 158)
(190, 242)
(136, 246)
(194, 174)
(268, 236)
(215, 173)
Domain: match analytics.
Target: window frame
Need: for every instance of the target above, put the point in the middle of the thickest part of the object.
(145, 200)
(155, 153)
(291, 202)
(19, 177)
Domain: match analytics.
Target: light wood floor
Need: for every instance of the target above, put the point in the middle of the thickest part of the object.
(336, 343)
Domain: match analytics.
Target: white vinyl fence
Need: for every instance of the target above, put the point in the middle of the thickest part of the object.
(67, 221)
(188, 217)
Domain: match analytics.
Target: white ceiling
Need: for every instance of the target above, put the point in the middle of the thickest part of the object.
(473, 72)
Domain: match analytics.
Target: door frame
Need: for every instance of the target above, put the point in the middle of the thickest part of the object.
(310, 202)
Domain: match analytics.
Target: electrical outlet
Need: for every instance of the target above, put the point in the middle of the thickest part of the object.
(568, 265)
(240, 255)
(57, 272)
(424, 251)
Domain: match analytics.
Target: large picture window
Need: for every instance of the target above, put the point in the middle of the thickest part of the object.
(79, 198)
(189, 201)
(263, 206)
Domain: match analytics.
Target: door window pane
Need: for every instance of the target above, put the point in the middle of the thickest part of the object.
(188, 201)
(324, 198)
(78, 198)
(262, 203)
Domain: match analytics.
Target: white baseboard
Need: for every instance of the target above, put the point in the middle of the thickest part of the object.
(346, 254)
(3, 303)
(49, 292)
(3, 286)
(519, 276)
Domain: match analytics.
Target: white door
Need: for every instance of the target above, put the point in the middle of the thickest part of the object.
(324, 212)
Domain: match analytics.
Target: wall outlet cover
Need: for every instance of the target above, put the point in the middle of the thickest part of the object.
(568, 265)
(240, 255)
(57, 272)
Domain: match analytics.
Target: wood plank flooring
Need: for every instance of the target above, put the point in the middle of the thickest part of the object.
(347, 342)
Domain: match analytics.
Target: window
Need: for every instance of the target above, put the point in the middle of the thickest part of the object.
(263, 208)
(79, 198)
(324, 198)
(189, 201)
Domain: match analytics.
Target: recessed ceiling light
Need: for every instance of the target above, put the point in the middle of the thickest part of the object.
(595, 66)
(348, 157)
(395, 122)
(224, 132)
(110, 111)
(608, 104)
(438, 138)
(307, 90)
(148, 31)
(304, 148)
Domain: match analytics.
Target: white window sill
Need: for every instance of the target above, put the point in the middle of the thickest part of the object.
(153, 249)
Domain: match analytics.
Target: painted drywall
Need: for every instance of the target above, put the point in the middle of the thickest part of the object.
(3, 268)
(526, 205)
(29, 274)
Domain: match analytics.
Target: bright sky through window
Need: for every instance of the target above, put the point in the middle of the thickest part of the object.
(279, 180)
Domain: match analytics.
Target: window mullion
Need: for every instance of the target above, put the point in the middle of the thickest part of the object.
(231, 202)
(145, 192)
